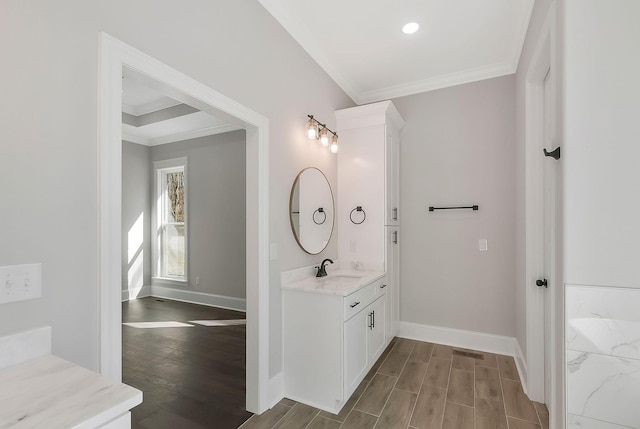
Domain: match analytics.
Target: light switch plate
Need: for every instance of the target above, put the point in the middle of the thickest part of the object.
(20, 282)
(483, 245)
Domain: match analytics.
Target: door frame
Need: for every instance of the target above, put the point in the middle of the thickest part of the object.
(115, 59)
(541, 63)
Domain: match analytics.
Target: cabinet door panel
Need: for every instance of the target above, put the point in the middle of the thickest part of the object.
(355, 349)
(392, 268)
(392, 179)
(376, 328)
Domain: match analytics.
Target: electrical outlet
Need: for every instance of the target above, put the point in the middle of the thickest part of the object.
(20, 282)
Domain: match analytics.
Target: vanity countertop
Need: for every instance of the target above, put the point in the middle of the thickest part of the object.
(342, 282)
(51, 392)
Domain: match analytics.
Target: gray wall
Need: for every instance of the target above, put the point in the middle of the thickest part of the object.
(137, 180)
(50, 128)
(458, 148)
(216, 207)
(538, 16)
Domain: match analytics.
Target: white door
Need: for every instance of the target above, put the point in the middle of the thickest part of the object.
(549, 229)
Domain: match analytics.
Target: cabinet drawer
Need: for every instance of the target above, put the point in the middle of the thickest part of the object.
(359, 300)
(365, 296)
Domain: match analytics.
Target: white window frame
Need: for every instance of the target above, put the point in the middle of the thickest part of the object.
(160, 168)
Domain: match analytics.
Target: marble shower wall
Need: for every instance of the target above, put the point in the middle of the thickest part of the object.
(603, 357)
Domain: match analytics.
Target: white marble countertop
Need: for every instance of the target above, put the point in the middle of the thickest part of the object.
(50, 392)
(341, 282)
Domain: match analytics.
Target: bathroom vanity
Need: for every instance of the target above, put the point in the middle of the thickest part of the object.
(334, 331)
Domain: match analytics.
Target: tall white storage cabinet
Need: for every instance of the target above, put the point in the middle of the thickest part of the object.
(369, 178)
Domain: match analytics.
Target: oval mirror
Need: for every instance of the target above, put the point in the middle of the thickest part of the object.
(311, 210)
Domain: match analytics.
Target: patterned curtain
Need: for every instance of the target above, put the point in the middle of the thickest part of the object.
(175, 191)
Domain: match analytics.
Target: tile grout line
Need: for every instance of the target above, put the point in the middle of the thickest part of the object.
(421, 383)
(504, 402)
(538, 414)
(394, 384)
(313, 418)
(283, 417)
(446, 396)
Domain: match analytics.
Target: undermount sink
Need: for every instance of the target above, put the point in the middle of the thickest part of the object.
(341, 278)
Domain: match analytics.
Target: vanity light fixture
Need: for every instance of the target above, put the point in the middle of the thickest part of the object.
(318, 131)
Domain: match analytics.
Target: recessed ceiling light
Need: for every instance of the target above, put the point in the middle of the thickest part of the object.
(410, 28)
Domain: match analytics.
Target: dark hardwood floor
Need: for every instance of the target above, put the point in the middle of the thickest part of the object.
(192, 377)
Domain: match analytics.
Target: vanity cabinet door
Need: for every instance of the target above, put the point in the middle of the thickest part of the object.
(355, 351)
(392, 280)
(392, 179)
(376, 328)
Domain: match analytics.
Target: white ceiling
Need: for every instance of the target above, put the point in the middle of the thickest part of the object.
(360, 43)
(139, 100)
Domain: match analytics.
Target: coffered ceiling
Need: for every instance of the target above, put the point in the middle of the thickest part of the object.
(360, 43)
(151, 118)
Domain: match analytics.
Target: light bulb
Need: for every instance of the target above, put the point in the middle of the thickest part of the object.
(410, 28)
(312, 129)
(324, 137)
(334, 148)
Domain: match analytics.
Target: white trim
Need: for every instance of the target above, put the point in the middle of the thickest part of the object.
(521, 365)
(480, 341)
(534, 215)
(118, 59)
(301, 34)
(144, 292)
(202, 298)
(276, 389)
(437, 82)
(152, 106)
(128, 134)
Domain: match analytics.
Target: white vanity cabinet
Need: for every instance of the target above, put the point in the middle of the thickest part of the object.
(332, 337)
(369, 177)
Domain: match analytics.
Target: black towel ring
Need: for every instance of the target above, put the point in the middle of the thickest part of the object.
(320, 210)
(358, 209)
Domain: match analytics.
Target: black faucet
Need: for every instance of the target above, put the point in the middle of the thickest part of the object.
(322, 272)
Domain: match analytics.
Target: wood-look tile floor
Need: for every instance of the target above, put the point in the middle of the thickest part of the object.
(191, 377)
(423, 386)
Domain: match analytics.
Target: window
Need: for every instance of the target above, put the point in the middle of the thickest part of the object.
(171, 220)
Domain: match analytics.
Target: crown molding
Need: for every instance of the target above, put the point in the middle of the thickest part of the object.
(154, 106)
(129, 134)
(302, 36)
(438, 82)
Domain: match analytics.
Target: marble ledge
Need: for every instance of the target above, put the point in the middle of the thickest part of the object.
(579, 422)
(603, 388)
(604, 320)
(54, 393)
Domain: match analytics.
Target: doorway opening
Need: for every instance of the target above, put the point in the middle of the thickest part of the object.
(183, 188)
(117, 58)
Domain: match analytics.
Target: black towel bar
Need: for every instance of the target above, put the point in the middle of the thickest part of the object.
(474, 208)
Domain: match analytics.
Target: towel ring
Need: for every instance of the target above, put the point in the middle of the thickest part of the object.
(358, 209)
(320, 210)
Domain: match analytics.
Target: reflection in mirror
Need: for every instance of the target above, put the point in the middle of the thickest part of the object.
(311, 210)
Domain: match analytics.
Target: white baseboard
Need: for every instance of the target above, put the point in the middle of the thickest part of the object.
(276, 389)
(201, 298)
(521, 365)
(144, 292)
(480, 341)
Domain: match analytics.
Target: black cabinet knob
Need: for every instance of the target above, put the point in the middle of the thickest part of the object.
(541, 283)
